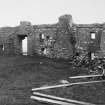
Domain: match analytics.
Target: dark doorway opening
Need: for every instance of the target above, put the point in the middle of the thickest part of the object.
(23, 44)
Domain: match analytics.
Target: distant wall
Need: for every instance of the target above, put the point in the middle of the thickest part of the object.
(56, 41)
(60, 40)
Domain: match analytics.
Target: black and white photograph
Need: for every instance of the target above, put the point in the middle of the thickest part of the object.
(52, 52)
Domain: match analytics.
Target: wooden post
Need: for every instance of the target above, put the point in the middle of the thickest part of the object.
(65, 85)
(46, 97)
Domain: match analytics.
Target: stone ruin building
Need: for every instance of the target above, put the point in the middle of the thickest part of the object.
(60, 40)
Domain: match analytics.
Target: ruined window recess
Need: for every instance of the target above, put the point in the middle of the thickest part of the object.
(2, 47)
(93, 56)
(44, 51)
(93, 35)
(47, 37)
(42, 36)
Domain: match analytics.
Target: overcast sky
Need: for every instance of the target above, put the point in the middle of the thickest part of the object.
(48, 11)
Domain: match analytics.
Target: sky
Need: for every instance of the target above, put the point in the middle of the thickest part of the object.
(48, 11)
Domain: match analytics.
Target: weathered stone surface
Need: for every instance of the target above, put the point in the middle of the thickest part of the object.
(60, 40)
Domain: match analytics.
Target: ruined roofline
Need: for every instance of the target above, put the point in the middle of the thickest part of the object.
(34, 26)
(45, 26)
(6, 28)
(56, 25)
(66, 17)
(94, 25)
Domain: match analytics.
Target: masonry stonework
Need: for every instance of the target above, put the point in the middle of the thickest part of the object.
(60, 40)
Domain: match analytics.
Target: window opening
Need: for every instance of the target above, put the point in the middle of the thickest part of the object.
(93, 35)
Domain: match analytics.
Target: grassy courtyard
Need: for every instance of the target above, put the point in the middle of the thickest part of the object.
(19, 74)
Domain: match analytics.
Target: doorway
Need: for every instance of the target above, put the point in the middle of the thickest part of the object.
(23, 44)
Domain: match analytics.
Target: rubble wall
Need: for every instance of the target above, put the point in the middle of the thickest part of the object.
(6, 41)
(102, 44)
(44, 46)
(84, 40)
(60, 40)
(57, 39)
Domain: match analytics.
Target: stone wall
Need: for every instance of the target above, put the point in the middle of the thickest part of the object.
(102, 44)
(55, 41)
(63, 46)
(60, 40)
(84, 40)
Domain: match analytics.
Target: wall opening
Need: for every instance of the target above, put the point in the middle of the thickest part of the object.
(23, 44)
(93, 56)
(41, 36)
(2, 47)
(93, 35)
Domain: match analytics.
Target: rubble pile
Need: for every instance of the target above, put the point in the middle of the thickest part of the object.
(95, 66)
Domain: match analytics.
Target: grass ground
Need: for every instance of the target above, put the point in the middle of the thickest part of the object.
(18, 74)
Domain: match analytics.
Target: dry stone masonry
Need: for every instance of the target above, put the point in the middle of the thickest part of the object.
(60, 40)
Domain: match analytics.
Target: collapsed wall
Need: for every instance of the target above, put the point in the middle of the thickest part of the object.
(54, 40)
(6, 41)
(60, 40)
(90, 38)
